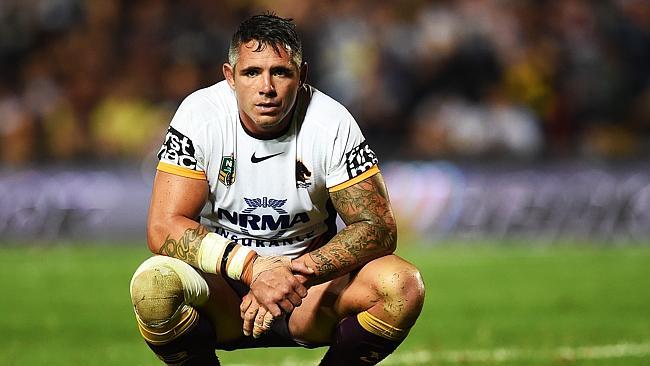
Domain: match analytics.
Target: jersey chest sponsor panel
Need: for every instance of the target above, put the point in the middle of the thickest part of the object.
(271, 195)
(264, 208)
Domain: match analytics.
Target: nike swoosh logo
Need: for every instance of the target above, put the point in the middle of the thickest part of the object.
(255, 159)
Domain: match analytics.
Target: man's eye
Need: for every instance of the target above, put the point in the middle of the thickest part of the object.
(280, 73)
(250, 73)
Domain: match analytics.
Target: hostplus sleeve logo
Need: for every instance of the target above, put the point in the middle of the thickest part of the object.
(178, 149)
(360, 159)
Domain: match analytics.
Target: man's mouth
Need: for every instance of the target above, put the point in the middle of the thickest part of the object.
(267, 107)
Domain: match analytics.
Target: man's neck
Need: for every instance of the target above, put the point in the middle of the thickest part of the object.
(270, 133)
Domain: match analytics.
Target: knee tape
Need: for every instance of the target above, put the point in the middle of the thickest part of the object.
(162, 287)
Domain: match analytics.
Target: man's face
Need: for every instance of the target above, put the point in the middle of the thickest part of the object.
(266, 84)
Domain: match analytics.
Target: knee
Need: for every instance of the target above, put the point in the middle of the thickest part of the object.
(160, 288)
(402, 290)
(157, 295)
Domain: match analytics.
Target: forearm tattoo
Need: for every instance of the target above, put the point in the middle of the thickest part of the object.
(370, 231)
(186, 247)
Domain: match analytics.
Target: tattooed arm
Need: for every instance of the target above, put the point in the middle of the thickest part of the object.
(172, 229)
(370, 232)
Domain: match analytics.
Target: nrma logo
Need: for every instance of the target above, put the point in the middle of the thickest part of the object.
(279, 219)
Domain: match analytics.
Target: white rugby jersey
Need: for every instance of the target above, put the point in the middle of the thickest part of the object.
(270, 195)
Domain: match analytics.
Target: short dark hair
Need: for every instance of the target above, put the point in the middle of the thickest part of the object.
(269, 30)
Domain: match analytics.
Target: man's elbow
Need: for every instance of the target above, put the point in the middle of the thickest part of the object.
(390, 237)
(154, 239)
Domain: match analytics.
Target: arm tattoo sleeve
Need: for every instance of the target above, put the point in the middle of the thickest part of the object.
(370, 233)
(186, 247)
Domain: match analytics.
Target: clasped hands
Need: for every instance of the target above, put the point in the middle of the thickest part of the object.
(276, 288)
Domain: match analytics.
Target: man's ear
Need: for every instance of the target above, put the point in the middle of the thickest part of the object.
(303, 73)
(229, 74)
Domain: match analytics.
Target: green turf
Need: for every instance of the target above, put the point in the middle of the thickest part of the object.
(69, 305)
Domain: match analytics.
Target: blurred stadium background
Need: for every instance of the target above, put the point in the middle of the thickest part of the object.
(508, 131)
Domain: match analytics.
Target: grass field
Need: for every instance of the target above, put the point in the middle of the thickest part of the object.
(486, 305)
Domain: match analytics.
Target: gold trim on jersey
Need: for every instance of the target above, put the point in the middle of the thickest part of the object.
(367, 174)
(183, 172)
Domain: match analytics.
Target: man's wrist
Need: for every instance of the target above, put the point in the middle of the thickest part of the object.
(263, 264)
(222, 256)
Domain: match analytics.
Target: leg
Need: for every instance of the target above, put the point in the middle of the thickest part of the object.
(389, 288)
(174, 308)
(366, 318)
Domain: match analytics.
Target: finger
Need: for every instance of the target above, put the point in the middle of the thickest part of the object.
(249, 319)
(300, 289)
(258, 326)
(268, 321)
(294, 285)
(301, 278)
(245, 304)
(294, 299)
(286, 306)
(274, 310)
(301, 268)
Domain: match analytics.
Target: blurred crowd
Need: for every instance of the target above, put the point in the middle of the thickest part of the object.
(87, 81)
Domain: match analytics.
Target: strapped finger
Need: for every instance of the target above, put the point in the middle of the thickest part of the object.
(259, 329)
(268, 320)
(258, 326)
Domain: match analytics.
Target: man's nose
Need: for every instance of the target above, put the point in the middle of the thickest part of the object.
(267, 85)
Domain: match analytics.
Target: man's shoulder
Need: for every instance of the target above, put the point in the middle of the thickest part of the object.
(326, 112)
(325, 104)
(216, 98)
(208, 108)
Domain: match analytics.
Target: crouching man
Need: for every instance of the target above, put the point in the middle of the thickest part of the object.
(252, 175)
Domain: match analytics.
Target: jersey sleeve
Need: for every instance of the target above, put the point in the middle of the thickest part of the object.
(182, 151)
(352, 158)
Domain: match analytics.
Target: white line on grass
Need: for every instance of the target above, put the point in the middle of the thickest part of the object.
(500, 355)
